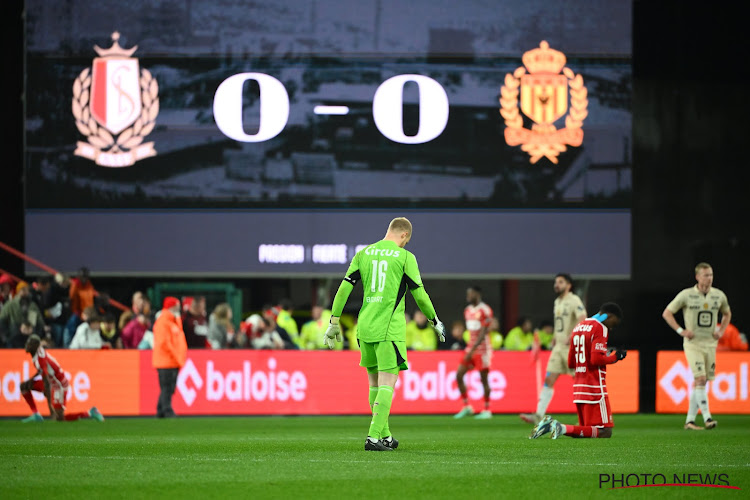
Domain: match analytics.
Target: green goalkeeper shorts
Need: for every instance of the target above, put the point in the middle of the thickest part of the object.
(387, 356)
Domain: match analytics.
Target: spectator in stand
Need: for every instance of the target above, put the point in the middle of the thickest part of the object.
(270, 313)
(55, 305)
(39, 291)
(88, 334)
(220, 327)
(260, 334)
(252, 329)
(82, 293)
(38, 287)
(169, 353)
(132, 333)
(287, 322)
(109, 332)
(195, 323)
(137, 302)
(496, 338)
(269, 338)
(19, 310)
(7, 285)
(732, 340)
(520, 337)
(312, 335)
(147, 342)
(125, 318)
(420, 336)
(456, 341)
(18, 341)
(544, 334)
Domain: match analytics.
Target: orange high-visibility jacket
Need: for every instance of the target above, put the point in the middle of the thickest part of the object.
(170, 346)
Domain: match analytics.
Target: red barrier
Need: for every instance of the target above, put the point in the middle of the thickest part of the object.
(301, 383)
(50, 270)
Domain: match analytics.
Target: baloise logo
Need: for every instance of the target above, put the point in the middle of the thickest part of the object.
(246, 384)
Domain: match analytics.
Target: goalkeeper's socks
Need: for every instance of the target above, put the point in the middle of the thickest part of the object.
(374, 394)
(381, 409)
(544, 398)
(581, 431)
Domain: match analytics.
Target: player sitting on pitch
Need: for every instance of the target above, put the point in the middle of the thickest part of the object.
(52, 383)
(589, 355)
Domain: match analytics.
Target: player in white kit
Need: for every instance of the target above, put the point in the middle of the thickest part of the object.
(568, 312)
(700, 306)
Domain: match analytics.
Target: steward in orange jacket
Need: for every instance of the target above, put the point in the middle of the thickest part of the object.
(170, 346)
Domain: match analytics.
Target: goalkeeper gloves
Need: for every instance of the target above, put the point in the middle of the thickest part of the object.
(439, 328)
(333, 332)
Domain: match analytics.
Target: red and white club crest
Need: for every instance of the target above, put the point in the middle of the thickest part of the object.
(115, 93)
(115, 104)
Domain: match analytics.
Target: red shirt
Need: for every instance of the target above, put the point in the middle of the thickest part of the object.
(50, 368)
(196, 330)
(478, 317)
(588, 355)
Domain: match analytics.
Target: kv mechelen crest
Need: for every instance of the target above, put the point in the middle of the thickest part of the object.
(544, 99)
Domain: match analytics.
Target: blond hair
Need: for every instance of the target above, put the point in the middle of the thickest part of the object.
(221, 314)
(400, 224)
(702, 265)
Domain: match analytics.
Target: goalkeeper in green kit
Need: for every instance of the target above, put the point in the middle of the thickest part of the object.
(386, 271)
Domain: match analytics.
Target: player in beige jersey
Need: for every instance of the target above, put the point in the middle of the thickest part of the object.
(700, 306)
(568, 312)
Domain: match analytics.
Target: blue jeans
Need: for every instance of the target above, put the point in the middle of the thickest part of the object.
(70, 329)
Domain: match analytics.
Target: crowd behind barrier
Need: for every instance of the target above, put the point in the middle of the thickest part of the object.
(69, 312)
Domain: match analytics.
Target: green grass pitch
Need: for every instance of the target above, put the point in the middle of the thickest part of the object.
(323, 457)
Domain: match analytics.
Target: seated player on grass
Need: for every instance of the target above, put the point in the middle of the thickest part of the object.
(589, 356)
(52, 383)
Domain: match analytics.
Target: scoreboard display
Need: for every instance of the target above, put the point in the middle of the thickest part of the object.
(276, 138)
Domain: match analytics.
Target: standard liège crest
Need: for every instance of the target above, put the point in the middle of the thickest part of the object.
(115, 104)
(543, 86)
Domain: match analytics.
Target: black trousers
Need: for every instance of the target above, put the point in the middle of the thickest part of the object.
(167, 384)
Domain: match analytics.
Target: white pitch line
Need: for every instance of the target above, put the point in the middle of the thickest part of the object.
(416, 462)
(331, 110)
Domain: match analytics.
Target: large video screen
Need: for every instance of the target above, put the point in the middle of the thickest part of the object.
(278, 137)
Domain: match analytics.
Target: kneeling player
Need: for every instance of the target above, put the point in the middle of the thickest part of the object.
(589, 355)
(52, 383)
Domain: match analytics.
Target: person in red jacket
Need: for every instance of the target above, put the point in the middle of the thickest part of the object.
(169, 353)
(589, 356)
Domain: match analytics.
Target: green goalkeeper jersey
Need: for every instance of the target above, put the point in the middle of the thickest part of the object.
(386, 272)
